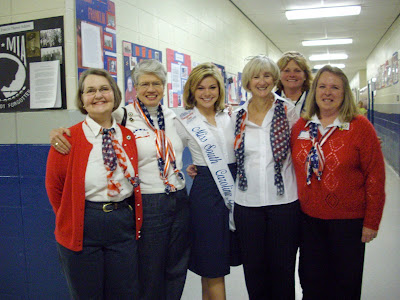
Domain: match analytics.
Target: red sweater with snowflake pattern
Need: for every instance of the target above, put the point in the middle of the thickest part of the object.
(353, 181)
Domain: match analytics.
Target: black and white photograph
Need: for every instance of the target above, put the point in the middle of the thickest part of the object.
(53, 53)
(32, 44)
(50, 38)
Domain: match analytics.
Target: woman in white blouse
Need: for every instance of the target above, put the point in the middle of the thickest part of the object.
(208, 132)
(164, 243)
(266, 206)
(95, 195)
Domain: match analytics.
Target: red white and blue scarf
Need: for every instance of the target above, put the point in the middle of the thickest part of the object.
(165, 152)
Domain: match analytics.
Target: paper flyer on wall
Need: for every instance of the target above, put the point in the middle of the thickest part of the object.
(45, 79)
(178, 67)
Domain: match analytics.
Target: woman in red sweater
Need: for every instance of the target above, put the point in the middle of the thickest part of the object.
(92, 190)
(340, 178)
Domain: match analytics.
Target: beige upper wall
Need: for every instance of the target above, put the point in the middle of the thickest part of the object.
(386, 99)
(359, 80)
(207, 30)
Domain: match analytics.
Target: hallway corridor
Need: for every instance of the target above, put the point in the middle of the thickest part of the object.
(382, 259)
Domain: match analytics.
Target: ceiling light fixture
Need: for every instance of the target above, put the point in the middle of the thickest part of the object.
(326, 42)
(328, 56)
(323, 12)
(341, 66)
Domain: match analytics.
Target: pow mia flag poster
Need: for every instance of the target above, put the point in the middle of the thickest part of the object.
(24, 43)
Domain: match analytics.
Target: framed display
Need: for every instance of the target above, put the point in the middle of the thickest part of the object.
(32, 65)
(133, 54)
(178, 68)
(96, 35)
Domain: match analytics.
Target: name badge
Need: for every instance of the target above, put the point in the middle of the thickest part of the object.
(141, 133)
(304, 135)
(344, 126)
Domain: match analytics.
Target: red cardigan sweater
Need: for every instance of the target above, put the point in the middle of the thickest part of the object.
(353, 180)
(65, 185)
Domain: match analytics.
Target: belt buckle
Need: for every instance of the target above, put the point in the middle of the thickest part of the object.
(105, 209)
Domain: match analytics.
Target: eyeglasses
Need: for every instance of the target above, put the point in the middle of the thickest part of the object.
(104, 90)
(146, 85)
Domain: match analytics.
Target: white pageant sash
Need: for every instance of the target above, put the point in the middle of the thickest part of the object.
(214, 158)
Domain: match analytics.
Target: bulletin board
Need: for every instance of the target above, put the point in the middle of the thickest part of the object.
(223, 74)
(133, 54)
(395, 67)
(96, 35)
(32, 65)
(387, 73)
(179, 67)
(232, 92)
(242, 93)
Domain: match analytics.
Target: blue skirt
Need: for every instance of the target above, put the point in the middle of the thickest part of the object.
(210, 235)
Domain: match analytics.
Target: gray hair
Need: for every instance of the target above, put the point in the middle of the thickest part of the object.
(257, 64)
(149, 66)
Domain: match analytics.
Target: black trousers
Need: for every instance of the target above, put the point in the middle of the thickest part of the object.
(269, 238)
(331, 258)
(107, 266)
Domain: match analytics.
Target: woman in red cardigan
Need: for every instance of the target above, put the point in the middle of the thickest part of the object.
(340, 178)
(95, 194)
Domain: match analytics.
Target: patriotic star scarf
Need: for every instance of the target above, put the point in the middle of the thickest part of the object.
(113, 154)
(315, 161)
(165, 152)
(280, 141)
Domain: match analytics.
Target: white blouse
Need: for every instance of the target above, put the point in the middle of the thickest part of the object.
(96, 173)
(259, 163)
(298, 104)
(149, 173)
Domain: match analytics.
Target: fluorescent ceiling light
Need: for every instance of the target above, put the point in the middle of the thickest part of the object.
(328, 56)
(341, 66)
(323, 12)
(327, 42)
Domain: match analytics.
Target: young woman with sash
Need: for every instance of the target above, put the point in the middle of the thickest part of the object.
(208, 132)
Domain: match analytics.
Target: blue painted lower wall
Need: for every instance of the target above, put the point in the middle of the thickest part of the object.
(388, 129)
(29, 267)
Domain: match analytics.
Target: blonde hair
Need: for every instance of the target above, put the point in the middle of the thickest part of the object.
(196, 76)
(256, 65)
(302, 63)
(348, 110)
(111, 81)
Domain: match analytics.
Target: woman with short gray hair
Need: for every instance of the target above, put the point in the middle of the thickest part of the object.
(266, 207)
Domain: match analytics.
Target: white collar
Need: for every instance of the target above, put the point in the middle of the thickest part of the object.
(95, 127)
(341, 125)
(295, 102)
(276, 97)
